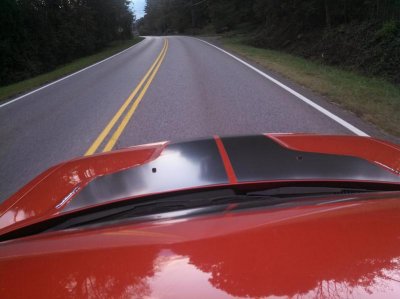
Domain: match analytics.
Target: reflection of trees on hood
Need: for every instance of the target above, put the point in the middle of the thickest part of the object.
(91, 274)
(336, 253)
(327, 258)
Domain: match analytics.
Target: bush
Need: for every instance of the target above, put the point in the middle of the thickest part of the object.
(389, 30)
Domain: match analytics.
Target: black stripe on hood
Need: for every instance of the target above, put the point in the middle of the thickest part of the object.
(257, 158)
(180, 165)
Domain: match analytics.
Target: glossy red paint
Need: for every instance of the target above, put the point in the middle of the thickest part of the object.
(340, 250)
(371, 149)
(47, 194)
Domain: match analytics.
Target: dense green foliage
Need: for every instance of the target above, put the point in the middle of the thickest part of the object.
(38, 35)
(360, 34)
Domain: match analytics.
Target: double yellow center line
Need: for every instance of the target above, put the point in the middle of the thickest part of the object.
(146, 81)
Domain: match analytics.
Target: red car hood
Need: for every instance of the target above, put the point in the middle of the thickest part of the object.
(165, 167)
(349, 247)
(333, 250)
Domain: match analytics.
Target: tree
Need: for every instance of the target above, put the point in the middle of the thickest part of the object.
(38, 35)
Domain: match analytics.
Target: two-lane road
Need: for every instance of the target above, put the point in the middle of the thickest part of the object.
(156, 90)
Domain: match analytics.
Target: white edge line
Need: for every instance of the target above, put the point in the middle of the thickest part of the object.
(66, 77)
(339, 120)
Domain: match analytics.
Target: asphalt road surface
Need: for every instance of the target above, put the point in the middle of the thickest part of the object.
(191, 90)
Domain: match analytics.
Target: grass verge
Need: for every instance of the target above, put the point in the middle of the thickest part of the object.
(76, 65)
(375, 100)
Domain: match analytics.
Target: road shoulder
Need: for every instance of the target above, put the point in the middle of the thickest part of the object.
(21, 89)
(318, 86)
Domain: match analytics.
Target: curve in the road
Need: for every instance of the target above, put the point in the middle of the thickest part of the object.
(149, 76)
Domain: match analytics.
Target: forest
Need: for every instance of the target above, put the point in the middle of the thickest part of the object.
(356, 34)
(38, 35)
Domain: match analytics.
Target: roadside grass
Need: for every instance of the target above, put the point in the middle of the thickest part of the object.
(375, 100)
(76, 65)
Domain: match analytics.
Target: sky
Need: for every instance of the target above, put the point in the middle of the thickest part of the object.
(138, 6)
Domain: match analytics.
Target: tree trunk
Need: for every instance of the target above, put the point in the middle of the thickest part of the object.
(193, 14)
(378, 8)
(327, 15)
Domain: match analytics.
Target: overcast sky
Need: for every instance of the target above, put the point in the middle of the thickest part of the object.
(139, 7)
